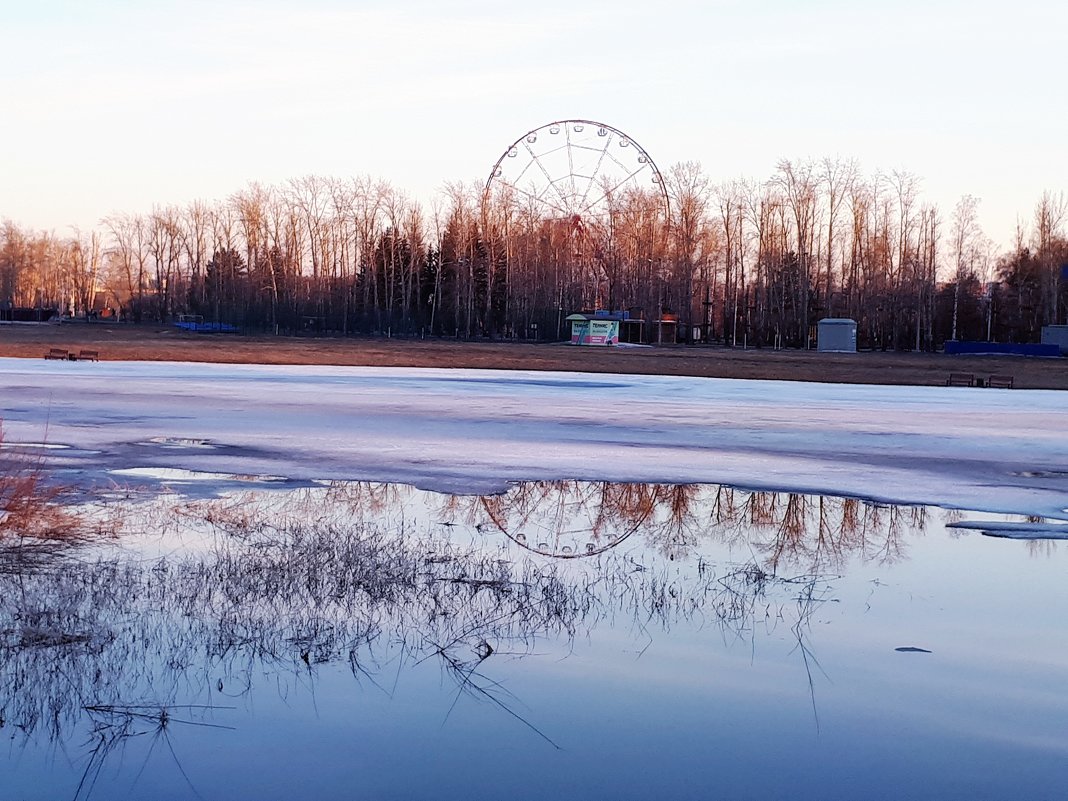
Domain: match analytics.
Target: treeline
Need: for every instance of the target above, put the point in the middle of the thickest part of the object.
(742, 262)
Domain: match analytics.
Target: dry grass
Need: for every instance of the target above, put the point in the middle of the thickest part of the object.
(160, 343)
(28, 506)
(34, 521)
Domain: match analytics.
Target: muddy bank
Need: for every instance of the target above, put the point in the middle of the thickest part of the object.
(160, 343)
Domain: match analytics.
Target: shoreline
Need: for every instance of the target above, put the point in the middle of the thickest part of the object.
(134, 342)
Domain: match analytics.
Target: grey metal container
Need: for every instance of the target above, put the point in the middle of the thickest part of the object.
(837, 335)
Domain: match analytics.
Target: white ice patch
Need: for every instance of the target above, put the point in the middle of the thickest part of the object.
(46, 446)
(1041, 530)
(175, 475)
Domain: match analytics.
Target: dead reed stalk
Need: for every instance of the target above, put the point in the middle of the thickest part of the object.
(33, 520)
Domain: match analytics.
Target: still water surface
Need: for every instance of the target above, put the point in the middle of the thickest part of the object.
(566, 639)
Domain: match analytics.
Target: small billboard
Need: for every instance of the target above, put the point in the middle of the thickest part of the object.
(585, 331)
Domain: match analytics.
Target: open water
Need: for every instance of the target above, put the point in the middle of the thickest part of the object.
(561, 640)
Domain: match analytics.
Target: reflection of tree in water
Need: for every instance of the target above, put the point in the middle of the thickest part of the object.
(1041, 547)
(570, 519)
(124, 639)
(824, 532)
(814, 532)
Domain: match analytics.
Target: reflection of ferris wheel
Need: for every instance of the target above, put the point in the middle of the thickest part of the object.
(574, 170)
(566, 520)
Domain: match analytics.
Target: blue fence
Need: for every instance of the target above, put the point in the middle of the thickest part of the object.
(1023, 349)
(218, 328)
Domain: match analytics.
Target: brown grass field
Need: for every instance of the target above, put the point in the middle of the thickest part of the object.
(162, 343)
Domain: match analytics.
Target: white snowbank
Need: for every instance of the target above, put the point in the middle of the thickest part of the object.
(475, 430)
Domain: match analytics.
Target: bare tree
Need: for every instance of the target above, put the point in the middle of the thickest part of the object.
(798, 183)
(1050, 215)
(837, 177)
(127, 259)
(689, 191)
(966, 247)
(84, 254)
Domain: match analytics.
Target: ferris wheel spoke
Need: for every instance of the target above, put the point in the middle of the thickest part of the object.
(536, 159)
(617, 162)
(596, 169)
(538, 199)
(548, 178)
(570, 160)
(522, 172)
(610, 191)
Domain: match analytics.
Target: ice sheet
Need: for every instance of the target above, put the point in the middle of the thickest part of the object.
(476, 430)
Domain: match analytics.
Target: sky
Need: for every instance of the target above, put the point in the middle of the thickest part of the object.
(113, 106)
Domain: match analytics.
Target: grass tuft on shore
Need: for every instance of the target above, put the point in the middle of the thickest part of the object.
(33, 520)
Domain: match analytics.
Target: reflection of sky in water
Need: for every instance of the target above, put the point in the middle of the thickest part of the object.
(655, 695)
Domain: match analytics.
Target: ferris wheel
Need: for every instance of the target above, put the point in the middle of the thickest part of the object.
(576, 171)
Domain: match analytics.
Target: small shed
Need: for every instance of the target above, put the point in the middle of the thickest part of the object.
(595, 329)
(667, 327)
(837, 335)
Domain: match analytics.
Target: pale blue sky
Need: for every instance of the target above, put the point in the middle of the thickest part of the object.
(116, 106)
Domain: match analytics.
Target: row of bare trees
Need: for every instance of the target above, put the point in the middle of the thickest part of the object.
(743, 262)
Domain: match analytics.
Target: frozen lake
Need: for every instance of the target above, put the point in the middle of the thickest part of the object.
(469, 430)
(443, 584)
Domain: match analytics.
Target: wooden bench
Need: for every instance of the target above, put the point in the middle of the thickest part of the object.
(1000, 381)
(961, 380)
(88, 356)
(58, 353)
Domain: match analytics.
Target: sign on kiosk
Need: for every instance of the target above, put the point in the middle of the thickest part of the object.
(594, 332)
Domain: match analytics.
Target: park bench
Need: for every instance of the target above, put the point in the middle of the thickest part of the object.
(58, 353)
(88, 356)
(1000, 381)
(960, 380)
